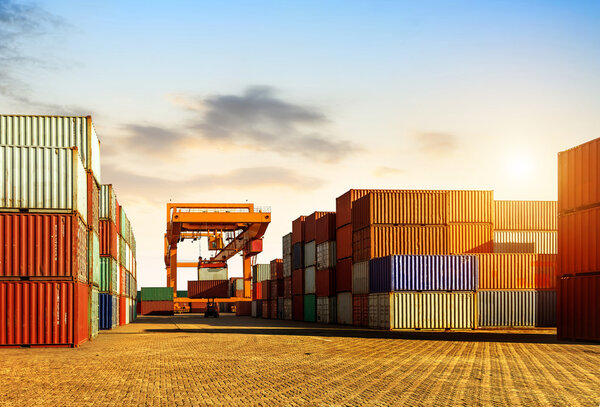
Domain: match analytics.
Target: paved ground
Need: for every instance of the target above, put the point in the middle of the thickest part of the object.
(187, 360)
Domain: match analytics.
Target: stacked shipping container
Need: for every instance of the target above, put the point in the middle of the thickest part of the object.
(578, 231)
(156, 301)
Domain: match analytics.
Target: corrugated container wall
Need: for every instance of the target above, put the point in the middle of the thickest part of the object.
(310, 254)
(326, 228)
(517, 271)
(579, 242)
(108, 203)
(517, 308)
(344, 308)
(287, 244)
(156, 294)
(543, 242)
(262, 272)
(50, 179)
(471, 238)
(298, 230)
(579, 308)
(213, 273)
(93, 195)
(344, 202)
(326, 255)
(578, 182)
(360, 277)
(310, 225)
(471, 207)
(54, 131)
(525, 215)
(310, 275)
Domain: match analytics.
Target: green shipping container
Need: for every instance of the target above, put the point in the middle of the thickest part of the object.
(182, 294)
(93, 312)
(157, 294)
(125, 225)
(122, 252)
(94, 258)
(310, 308)
(108, 275)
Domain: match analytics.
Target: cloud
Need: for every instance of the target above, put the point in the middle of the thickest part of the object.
(436, 144)
(153, 139)
(387, 171)
(260, 120)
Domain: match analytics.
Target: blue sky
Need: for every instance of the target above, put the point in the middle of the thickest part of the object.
(289, 104)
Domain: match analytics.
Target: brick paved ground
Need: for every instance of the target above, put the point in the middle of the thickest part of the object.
(187, 360)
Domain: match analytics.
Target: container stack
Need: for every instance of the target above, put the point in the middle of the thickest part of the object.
(261, 273)
(276, 287)
(298, 230)
(286, 312)
(326, 266)
(310, 266)
(517, 283)
(578, 253)
(156, 301)
(127, 269)
(50, 172)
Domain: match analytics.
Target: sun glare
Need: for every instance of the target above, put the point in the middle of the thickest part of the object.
(520, 165)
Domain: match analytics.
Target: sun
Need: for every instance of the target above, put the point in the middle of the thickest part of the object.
(519, 165)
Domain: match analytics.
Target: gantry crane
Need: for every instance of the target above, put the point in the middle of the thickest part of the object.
(244, 224)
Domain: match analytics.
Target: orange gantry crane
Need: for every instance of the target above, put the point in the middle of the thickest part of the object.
(243, 226)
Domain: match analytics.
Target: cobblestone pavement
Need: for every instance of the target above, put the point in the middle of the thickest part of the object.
(188, 360)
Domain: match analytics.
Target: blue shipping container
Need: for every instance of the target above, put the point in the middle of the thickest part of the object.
(423, 273)
(106, 311)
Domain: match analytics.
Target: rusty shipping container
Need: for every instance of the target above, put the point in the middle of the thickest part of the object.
(343, 275)
(310, 225)
(525, 241)
(93, 196)
(400, 208)
(46, 313)
(298, 226)
(326, 228)
(360, 310)
(382, 240)
(209, 289)
(578, 309)
(468, 238)
(578, 183)
(343, 244)
(516, 271)
(525, 215)
(276, 269)
(325, 282)
(43, 246)
(579, 242)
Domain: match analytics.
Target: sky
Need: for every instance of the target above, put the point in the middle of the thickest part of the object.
(288, 104)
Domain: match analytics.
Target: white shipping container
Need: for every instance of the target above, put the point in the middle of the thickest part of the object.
(344, 308)
(40, 178)
(310, 254)
(422, 310)
(326, 255)
(310, 285)
(525, 241)
(107, 205)
(261, 272)
(326, 310)
(127, 310)
(287, 308)
(127, 257)
(360, 277)
(212, 273)
(54, 131)
(287, 265)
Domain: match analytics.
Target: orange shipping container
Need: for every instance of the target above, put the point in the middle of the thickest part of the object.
(517, 271)
(525, 241)
(382, 240)
(578, 177)
(471, 238)
(579, 242)
(310, 225)
(298, 230)
(344, 242)
(401, 208)
(343, 204)
(326, 228)
(93, 198)
(525, 215)
(471, 207)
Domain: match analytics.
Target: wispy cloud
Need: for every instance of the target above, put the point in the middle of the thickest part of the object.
(436, 144)
(384, 171)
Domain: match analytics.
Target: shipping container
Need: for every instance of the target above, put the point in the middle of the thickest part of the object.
(325, 282)
(122, 310)
(106, 311)
(310, 308)
(214, 273)
(400, 208)
(471, 238)
(156, 294)
(310, 280)
(287, 244)
(326, 228)
(115, 312)
(287, 287)
(579, 308)
(54, 131)
(276, 288)
(276, 270)
(93, 312)
(326, 310)
(109, 239)
(273, 309)
(344, 242)
(423, 273)
(209, 289)
(344, 308)
(280, 310)
(310, 254)
(515, 271)
(158, 307)
(360, 310)
(344, 203)
(266, 289)
(43, 246)
(310, 225)
(243, 308)
(122, 252)
(578, 183)
(298, 230)
(326, 255)
(287, 308)
(107, 204)
(124, 225)
(360, 278)
(423, 310)
(525, 215)
(471, 207)
(93, 258)
(257, 308)
(182, 293)
(379, 241)
(42, 179)
(298, 282)
(343, 275)
(266, 309)
(257, 291)
(516, 308)
(525, 241)
(34, 313)
(298, 307)
(287, 265)
(108, 273)
(578, 242)
(93, 195)
(262, 272)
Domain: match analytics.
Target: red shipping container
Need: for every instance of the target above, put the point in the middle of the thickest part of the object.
(43, 245)
(343, 204)
(343, 275)
(257, 291)
(578, 313)
(310, 225)
(344, 242)
(276, 269)
(578, 179)
(578, 242)
(122, 282)
(266, 289)
(138, 307)
(122, 310)
(156, 307)
(360, 310)
(37, 313)
(118, 214)
(93, 197)
(208, 289)
(325, 281)
(266, 309)
(108, 239)
(326, 228)
(298, 307)
(255, 246)
(198, 307)
(298, 230)
(298, 282)
(276, 289)
(273, 309)
(287, 287)
(243, 308)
